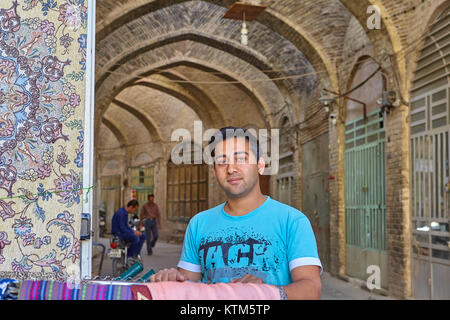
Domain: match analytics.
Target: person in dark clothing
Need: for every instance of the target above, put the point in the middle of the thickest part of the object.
(121, 229)
(151, 219)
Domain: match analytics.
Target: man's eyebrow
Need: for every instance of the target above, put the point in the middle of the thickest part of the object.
(236, 154)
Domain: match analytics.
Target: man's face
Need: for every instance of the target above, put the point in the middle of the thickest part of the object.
(235, 167)
(132, 210)
(151, 199)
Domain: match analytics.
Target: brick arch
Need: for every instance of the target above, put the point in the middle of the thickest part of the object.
(293, 87)
(140, 68)
(223, 76)
(387, 40)
(200, 65)
(277, 19)
(146, 121)
(203, 111)
(193, 90)
(434, 15)
(378, 80)
(115, 131)
(227, 45)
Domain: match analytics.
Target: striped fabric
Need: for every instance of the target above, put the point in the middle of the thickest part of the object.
(52, 290)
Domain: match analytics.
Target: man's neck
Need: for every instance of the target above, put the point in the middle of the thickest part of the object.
(244, 205)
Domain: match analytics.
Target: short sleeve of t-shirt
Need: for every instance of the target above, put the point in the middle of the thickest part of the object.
(189, 256)
(301, 243)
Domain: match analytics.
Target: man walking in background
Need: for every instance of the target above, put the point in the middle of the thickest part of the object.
(151, 219)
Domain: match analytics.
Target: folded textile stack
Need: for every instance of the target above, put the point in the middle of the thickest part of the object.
(171, 290)
(52, 290)
(115, 290)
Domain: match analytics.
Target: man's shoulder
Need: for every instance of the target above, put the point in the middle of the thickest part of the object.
(206, 214)
(284, 210)
(120, 211)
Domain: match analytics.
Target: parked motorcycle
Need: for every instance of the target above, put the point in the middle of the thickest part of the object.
(118, 252)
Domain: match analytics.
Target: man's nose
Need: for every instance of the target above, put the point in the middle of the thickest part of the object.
(231, 168)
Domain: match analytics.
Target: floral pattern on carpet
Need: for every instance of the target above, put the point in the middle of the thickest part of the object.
(42, 82)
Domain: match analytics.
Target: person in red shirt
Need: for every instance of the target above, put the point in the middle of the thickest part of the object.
(151, 219)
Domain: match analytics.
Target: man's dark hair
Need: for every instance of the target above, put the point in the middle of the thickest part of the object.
(133, 203)
(234, 132)
(150, 195)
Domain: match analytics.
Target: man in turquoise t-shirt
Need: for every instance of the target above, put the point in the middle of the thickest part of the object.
(250, 237)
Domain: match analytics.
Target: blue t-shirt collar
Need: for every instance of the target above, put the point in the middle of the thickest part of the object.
(245, 216)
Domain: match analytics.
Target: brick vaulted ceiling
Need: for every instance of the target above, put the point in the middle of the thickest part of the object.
(178, 48)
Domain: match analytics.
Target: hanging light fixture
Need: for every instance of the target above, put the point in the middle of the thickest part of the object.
(244, 32)
(245, 12)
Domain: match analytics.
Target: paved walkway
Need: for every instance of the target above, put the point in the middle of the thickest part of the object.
(166, 255)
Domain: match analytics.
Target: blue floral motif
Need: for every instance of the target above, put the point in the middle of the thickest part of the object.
(66, 216)
(44, 194)
(82, 40)
(22, 227)
(46, 6)
(46, 240)
(64, 243)
(79, 160)
(39, 212)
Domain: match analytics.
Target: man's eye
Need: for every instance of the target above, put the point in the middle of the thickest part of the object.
(241, 160)
(221, 161)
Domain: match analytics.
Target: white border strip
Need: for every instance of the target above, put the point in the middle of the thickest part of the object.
(88, 144)
(189, 266)
(305, 262)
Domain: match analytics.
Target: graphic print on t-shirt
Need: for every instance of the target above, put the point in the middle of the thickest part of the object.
(234, 252)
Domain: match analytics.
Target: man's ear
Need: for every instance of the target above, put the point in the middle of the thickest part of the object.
(261, 165)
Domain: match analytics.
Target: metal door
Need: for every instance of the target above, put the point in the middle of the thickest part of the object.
(285, 175)
(365, 206)
(429, 158)
(315, 197)
(430, 195)
(187, 191)
(110, 195)
(142, 180)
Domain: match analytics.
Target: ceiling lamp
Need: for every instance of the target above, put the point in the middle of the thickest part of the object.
(245, 12)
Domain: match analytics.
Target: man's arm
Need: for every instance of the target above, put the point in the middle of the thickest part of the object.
(306, 284)
(189, 275)
(177, 274)
(123, 224)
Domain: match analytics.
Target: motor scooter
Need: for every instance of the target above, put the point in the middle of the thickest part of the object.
(119, 248)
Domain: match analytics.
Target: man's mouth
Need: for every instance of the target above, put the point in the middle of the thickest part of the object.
(234, 180)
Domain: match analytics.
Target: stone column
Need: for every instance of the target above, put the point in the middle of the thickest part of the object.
(398, 218)
(337, 196)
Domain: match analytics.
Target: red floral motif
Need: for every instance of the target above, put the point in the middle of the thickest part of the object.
(3, 243)
(6, 211)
